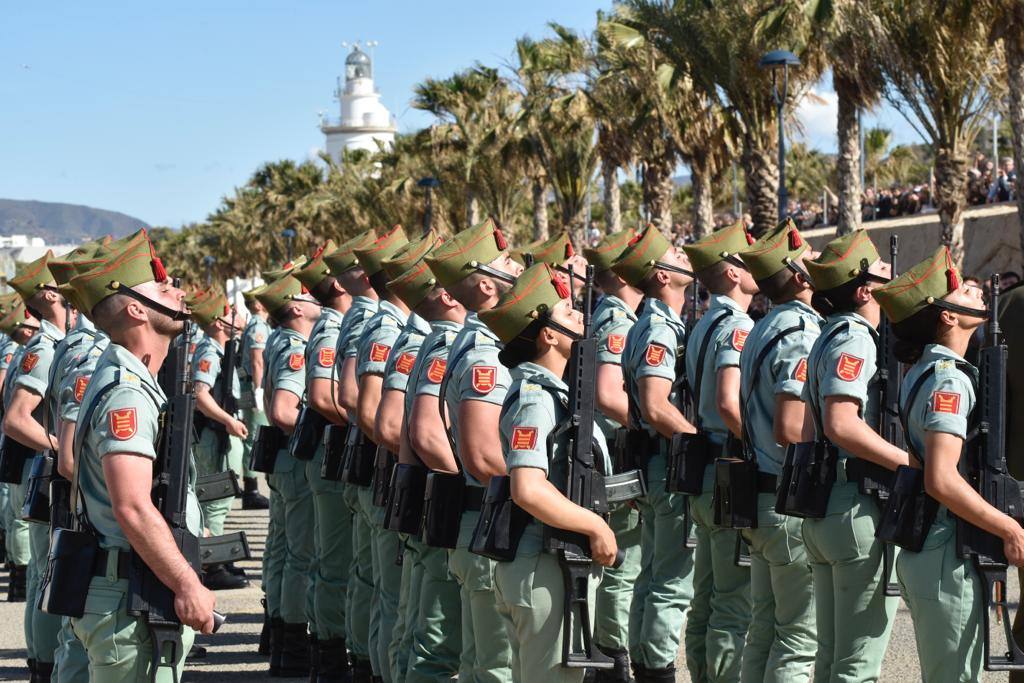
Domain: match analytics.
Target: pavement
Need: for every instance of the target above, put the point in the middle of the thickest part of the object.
(232, 651)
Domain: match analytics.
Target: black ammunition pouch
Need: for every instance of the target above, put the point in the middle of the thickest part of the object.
(909, 513)
(360, 453)
(404, 512)
(334, 452)
(442, 508)
(308, 434)
(64, 587)
(501, 524)
(383, 465)
(872, 479)
(688, 457)
(12, 459)
(737, 485)
(37, 492)
(622, 457)
(639, 448)
(808, 475)
(60, 503)
(269, 440)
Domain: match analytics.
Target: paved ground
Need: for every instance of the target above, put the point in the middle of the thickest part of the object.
(233, 654)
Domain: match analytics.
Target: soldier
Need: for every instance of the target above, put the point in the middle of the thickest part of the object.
(30, 422)
(285, 385)
(221, 433)
(131, 300)
(652, 367)
(720, 612)
(7, 348)
(250, 373)
(537, 324)
(780, 642)
(557, 251)
(934, 315)
(613, 318)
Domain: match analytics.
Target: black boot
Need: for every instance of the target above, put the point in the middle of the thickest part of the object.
(230, 568)
(252, 499)
(645, 675)
(276, 645)
(332, 662)
(618, 674)
(31, 668)
(314, 656)
(3, 547)
(295, 652)
(361, 672)
(376, 679)
(264, 648)
(196, 652)
(16, 589)
(217, 578)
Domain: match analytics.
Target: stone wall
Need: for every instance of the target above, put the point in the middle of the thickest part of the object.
(991, 238)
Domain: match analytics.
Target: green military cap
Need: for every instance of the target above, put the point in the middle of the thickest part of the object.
(842, 259)
(608, 249)
(286, 269)
(924, 284)
(78, 260)
(410, 253)
(554, 251)
(34, 277)
(316, 269)
(458, 257)
(717, 246)
(8, 301)
(774, 250)
(535, 292)
(344, 258)
(414, 284)
(250, 295)
(134, 265)
(16, 314)
(279, 293)
(212, 307)
(637, 260)
(372, 256)
(197, 296)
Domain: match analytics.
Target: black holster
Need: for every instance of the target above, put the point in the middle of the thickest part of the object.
(639, 447)
(12, 459)
(501, 524)
(383, 465)
(334, 452)
(37, 492)
(360, 453)
(60, 503)
(443, 499)
(308, 434)
(808, 475)
(872, 479)
(909, 513)
(622, 457)
(64, 587)
(269, 440)
(737, 484)
(687, 459)
(404, 512)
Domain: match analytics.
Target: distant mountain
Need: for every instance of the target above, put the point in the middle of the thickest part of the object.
(62, 223)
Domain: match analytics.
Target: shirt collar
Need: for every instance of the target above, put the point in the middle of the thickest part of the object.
(474, 323)
(444, 326)
(133, 364)
(388, 308)
(417, 324)
(360, 302)
(854, 317)
(723, 301)
(540, 375)
(663, 309)
(84, 323)
(50, 330)
(613, 301)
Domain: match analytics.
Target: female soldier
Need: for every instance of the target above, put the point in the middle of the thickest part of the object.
(537, 324)
(934, 316)
(854, 616)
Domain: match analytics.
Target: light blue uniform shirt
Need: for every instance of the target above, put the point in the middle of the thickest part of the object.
(611, 321)
(403, 356)
(654, 345)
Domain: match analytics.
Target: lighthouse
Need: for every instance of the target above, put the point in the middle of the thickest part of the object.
(364, 121)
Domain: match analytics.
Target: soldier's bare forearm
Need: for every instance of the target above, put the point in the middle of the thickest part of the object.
(22, 427)
(208, 406)
(65, 449)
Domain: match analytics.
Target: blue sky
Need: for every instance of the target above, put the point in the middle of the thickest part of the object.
(159, 109)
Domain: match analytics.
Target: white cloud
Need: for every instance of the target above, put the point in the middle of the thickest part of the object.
(817, 116)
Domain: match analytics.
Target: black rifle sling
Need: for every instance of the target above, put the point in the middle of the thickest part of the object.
(701, 357)
(443, 392)
(84, 420)
(812, 376)
(765, 350)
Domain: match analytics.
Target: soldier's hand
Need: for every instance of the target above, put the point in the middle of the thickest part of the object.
(1013, 546)
(195, 607)
(603, 545)
(237, 428)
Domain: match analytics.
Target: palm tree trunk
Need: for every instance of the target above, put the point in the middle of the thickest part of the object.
(472, 209)
(540, 209)
(951, 195)
(657, 192)
(703, 205)
(1015, 110)
(762, 183)
(848, 161)
(612, 208)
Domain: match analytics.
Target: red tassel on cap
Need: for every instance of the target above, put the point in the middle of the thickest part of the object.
(304, 290)
(27, 314)
(227, 309)
(750, 238)
(319, 251)
(952, 280)
(569, 251)
(560, 287)
(499, 239)
(795, 242)
(636, 238)
(159, 272)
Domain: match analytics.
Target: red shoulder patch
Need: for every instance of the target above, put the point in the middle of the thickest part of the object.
(484, 378)
(8, 357)
(946, 402)
(405, 362)
(326, 357)
(800, 374)
(123, 423)
(435, 373)
(80, 385)
(29, 361)
(616, 343)
(848, 367)
(379, 352)
(524, 438)
(296, 361)
(655, 354)
(204, 365)
(739, 338)
(259, 338)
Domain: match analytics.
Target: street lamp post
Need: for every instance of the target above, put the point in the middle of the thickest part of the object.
(208, 262)
(774, 61)
(288, 234)
(428, 184)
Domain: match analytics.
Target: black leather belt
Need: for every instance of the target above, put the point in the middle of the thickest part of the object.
(767, 483)
(473, 499)
(99, 565)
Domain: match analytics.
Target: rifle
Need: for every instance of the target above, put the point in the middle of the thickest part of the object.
(148, 597)
(985, 468)
(224, 396)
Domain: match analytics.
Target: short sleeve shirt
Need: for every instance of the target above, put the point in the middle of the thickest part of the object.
(431, 362)
(33, 370)
(74, 384)
(7, 349)
(352, 326)
(286, 368)
(944, 402)
(323, 346)
(654, 346)
(612, 321)
(403, 356)
(378, 339)
(783, 370)
(254, 338)
(207, 367)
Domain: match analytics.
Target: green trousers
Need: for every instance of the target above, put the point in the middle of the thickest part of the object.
(781, 641)
(387, 588)
(43, 627)
(211, 458)
(720, 612)
(942, 592)
(274, 552)
(297, 538)
(18, 549)
(437, 631)
(119, 646)
(333, 551)
(369, 518)
(359, 595)
(71, 661)
(854, 617)
(615, 592)
(530, 593)
(664, 587)
(408, 609)
(252, 419)
(486, 654)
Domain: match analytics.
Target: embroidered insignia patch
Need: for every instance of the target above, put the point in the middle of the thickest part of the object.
(296, 361)
(655, 354)
(524, 438)
(29, 361)
(800, 374)
(123, 423)
(379, 352)
(435, 373)
(946, 402)
(849, 366)
(484, 377)
(204, 365)
(80, 385)
(739, 338)
(405, 362)
(616, 343)
(326, 357)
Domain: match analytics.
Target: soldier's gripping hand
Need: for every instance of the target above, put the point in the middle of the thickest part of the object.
(603, 546)
(1013, 544)
(194, 606)
(237, 428)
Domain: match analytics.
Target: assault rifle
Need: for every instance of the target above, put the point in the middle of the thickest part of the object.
(985, 468)
(225, 395)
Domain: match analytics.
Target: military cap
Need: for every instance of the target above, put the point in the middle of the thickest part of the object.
(372, 256)
(535, 292)
(924, 284)
(78, 260)
(841, 260)
(279, 293)
(8, 301)
(413, 286)
(34, 276)
(212, 307)
(344, 258)
(410, 253)
(637, 260)
(286, 269)
(249, 295)
(770, 254)
(16, 314)
(608, 249)
(133, 265)
(316, 269)
(456, 259)
(554, 251)
(714, 248)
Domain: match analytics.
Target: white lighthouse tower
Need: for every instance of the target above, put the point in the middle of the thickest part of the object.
(364, 120)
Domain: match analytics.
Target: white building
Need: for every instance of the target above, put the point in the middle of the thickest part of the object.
(363, 119)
